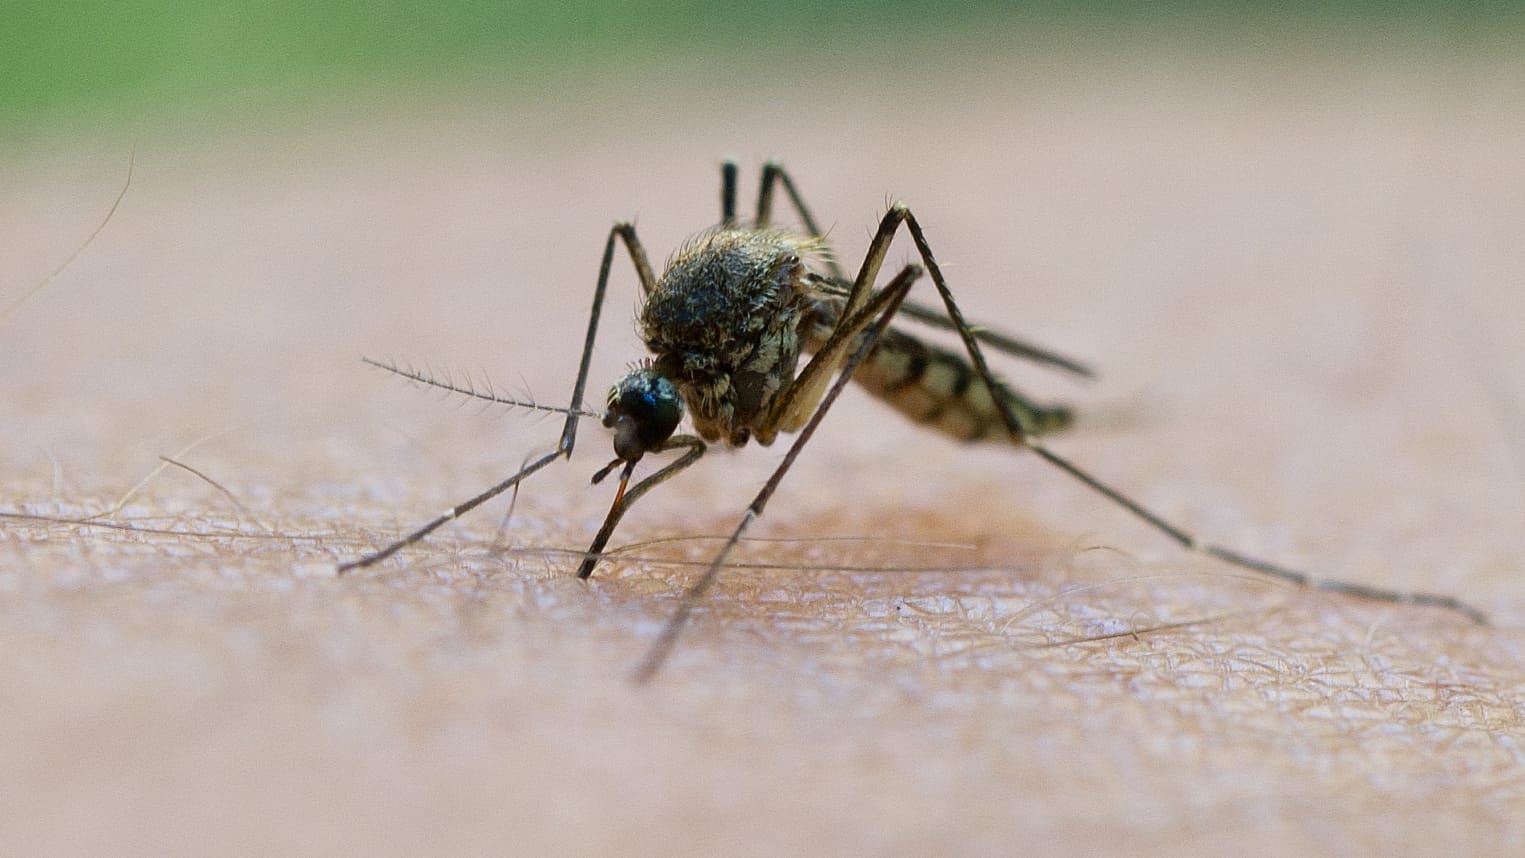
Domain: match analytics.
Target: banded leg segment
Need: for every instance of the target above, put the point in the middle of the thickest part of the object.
(622, 232)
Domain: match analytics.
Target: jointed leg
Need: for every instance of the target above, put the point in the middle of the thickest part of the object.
(876, 317)
(624, 232)
(1244, 561)
(862, 304)
(728, 194)
(898, 215)
(774, 173)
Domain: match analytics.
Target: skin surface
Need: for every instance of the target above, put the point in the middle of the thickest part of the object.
(1303, 300)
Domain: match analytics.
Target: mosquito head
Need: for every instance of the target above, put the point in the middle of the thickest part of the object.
(644, 410)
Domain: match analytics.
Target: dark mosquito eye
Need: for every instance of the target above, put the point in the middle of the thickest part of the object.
(656, 411)
(644, 411)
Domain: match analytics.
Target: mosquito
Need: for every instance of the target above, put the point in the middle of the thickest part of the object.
(727, 323)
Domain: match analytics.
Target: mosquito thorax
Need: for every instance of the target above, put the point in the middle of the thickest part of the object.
(724, 322)
(643, 410)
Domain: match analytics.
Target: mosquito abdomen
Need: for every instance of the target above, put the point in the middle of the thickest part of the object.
(942, 390)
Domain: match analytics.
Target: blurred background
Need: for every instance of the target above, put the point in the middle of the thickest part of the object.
(114, 63)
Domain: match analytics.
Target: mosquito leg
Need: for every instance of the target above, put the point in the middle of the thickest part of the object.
(728, 194)
(622, 232)
(1244, 561)
(1003, 343)
(449, 515)
(774, 173)
(879, 312)
(900, 214)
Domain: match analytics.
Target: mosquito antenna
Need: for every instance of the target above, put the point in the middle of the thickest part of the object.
(469, 389)
(619, 232)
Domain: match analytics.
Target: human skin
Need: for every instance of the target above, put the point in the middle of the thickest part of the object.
(1302, 315)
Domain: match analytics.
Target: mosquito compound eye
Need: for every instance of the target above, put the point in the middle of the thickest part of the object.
(644, 410)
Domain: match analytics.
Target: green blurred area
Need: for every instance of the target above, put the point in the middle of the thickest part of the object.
(95, 60)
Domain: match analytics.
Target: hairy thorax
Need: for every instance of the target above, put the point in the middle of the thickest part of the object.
(726, 322)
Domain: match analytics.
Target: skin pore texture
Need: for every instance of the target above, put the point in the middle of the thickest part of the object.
(1303, 309)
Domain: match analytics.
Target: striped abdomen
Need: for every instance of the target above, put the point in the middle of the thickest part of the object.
(940, 389)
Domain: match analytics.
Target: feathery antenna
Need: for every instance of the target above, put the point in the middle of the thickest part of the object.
(470, 390)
